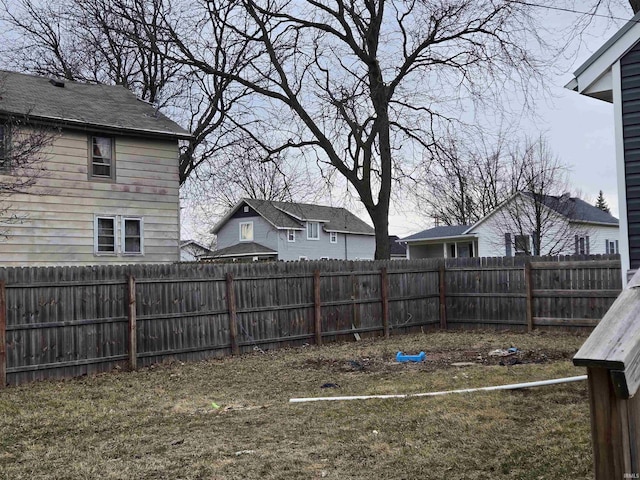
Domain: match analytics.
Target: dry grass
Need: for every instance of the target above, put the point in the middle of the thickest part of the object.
(159, 423)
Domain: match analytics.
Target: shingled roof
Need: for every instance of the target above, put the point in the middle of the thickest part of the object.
(82, 105)
(289, 215)
(575, 209)
(245, 249)
(438, 232)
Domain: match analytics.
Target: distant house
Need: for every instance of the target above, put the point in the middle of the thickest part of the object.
(398, 250)
(109, 193)
(573, 227)
(192, 251)
(268, 230)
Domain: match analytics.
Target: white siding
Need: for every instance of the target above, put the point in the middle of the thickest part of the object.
(491, 236)
(56, 225)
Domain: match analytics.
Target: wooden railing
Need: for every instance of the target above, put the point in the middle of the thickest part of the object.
(612, 357)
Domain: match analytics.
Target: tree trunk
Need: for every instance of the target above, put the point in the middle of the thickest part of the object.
(380, 217)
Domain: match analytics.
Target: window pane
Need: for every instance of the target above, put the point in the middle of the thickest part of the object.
(132, 236)
(106, 235)
(101, 157)
(246, 231)
(312, 230)
(522, 244)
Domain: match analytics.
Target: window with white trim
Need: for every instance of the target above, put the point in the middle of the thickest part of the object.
(104, 235)
(132, 236)
(291, 235)
(611, 247)
(101, 158)
(246, 231)
(313, 231)
(333, 237)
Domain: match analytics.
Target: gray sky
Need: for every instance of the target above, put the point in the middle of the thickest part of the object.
(579, 129)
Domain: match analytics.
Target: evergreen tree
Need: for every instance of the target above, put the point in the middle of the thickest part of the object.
(601, 203)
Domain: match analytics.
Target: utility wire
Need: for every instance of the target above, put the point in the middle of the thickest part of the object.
(562, 9)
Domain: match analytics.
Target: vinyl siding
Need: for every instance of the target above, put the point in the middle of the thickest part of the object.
(57, 216)
(491, 241)
(630, 78)
(263, 232)
(348, 246)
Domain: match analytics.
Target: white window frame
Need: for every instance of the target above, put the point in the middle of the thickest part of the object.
(333, 237)
(240, 232)
(96, 219)
(123, 238)
(291, 235)
(310, 226)
(245, 209)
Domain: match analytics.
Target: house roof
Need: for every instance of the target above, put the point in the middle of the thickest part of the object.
(395, 247)
(438, 232)
(243, 249)
(289, 215)
(576, 210)
(83, 105)
(594, 76)
(186, 243)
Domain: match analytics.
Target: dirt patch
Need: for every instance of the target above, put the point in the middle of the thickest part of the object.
(435, 360)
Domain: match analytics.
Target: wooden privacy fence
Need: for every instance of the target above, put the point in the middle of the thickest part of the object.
(70, 321)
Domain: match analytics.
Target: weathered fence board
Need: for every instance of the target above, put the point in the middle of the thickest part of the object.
(69, 321)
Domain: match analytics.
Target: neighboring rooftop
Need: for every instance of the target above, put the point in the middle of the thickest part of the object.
(576, 209)
(83, 105)
(397, 249)
(288, 215)
(244, 249)
(438, 232)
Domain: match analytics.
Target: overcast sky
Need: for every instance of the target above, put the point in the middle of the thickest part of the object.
(578, 128)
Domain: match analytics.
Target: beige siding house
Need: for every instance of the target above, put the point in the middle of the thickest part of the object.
(109, 189)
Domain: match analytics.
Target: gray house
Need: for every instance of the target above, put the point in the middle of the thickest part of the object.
(268, 230)
(109, 189)
(612, 74)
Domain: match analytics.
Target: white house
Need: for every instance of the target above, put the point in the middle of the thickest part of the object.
(263, 229)
(566, 226)
(109, 190)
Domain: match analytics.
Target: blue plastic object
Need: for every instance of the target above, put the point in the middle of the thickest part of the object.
(512, 350)
(401, 357)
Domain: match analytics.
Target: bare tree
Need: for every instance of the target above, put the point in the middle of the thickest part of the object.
(534, 220)
(362, 85)
(23, 151)
(239, 173)
(463, 179)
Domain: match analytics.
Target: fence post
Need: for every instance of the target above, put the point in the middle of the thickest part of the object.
(133, 328)
(443, 299)
(317, 308)
(529, 291)
(384, 292)
(3, 334)
(231, 305)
